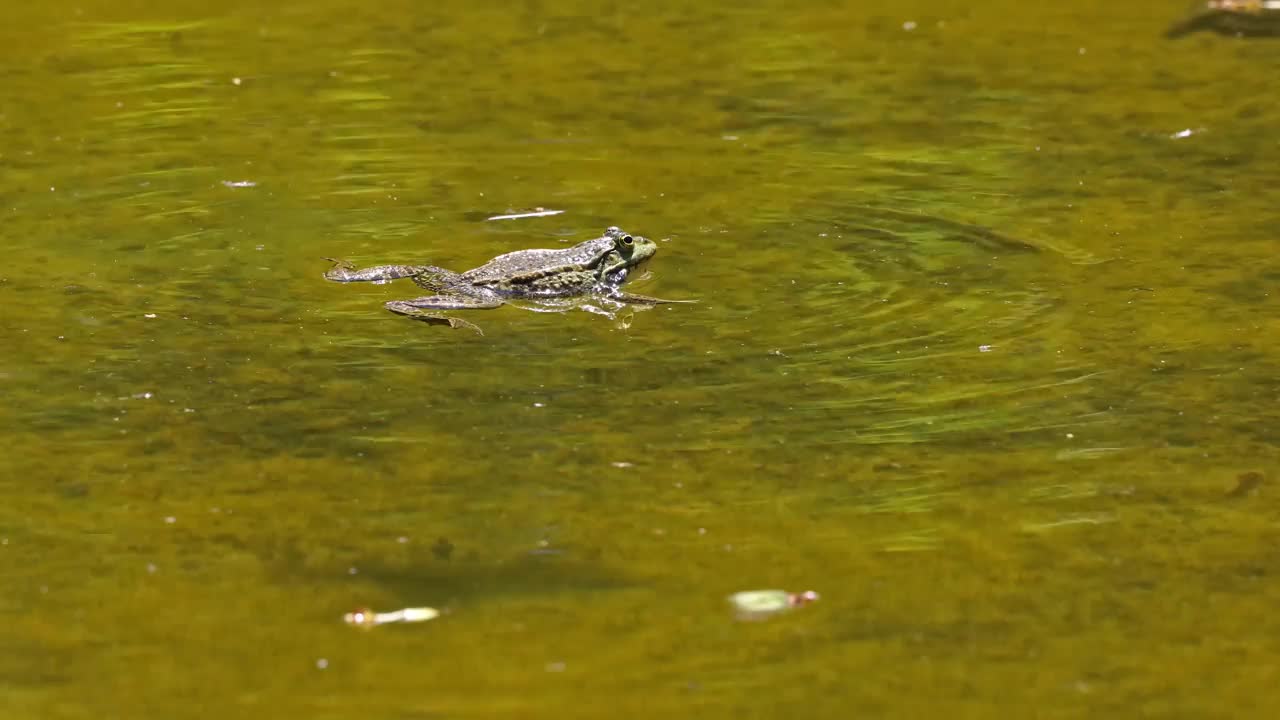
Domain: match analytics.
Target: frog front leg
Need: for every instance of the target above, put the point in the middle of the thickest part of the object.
(343, 271)
(624, 297)
(420, 308)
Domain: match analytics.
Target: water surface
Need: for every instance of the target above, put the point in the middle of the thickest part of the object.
(985, 344)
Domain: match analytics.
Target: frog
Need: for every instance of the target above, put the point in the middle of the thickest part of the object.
(1244, 18)
(596, 268)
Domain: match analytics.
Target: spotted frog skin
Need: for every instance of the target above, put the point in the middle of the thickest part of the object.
(1244, 18)
(593, 268)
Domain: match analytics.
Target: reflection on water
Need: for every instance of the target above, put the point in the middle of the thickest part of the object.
(983, 353)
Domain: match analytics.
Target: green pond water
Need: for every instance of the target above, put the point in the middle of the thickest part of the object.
(987, 352)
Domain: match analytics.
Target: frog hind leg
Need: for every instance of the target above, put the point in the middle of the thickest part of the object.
(420, 309)
(343, 271)
(1195, 23)
(438, 280)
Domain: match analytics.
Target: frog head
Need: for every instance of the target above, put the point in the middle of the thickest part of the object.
(629, 252)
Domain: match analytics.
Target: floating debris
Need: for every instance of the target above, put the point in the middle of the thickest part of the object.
(760, 604)
(537, 212)
(366, 618)
(1068, 521)
(1244, 18)
(239, 183)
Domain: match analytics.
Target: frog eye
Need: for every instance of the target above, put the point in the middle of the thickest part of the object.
(627, 240)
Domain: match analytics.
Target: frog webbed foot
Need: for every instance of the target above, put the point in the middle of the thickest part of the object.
(432, 318)
(422, 309)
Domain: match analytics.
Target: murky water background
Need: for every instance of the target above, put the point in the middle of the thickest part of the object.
(985, 352)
